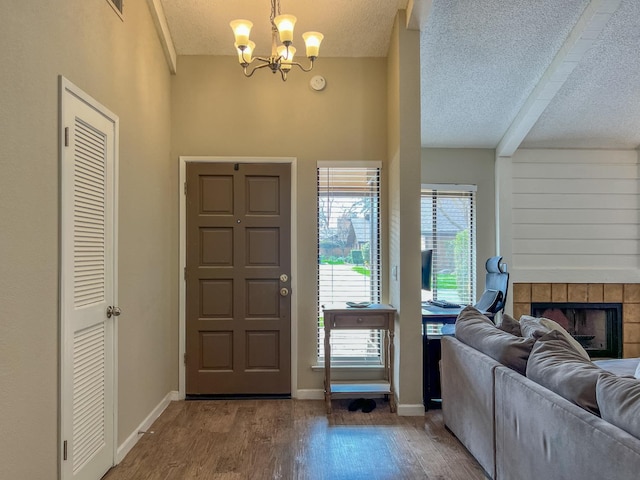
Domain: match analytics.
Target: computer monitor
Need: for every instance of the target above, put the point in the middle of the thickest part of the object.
(426, 269)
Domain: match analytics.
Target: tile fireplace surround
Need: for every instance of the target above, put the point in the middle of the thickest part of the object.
(628, 294)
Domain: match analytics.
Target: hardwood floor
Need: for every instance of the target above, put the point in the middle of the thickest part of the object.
(294, 439)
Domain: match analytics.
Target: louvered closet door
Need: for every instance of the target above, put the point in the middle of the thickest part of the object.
(87, 280)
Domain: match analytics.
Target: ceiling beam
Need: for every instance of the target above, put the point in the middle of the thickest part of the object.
(160, 21)
(582, 37)
(417, 13)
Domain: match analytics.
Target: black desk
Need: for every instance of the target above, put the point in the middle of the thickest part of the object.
(434, 319)
(436, 323)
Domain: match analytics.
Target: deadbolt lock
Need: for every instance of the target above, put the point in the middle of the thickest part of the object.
(284, 277)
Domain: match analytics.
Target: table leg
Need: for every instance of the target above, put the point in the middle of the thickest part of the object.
(392, 400)
(327, 364)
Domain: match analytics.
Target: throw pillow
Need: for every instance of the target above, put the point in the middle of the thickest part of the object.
(619, 402)
(552, 325)
(510, 325)
(556, 365)
(532, 328)
(637, 374)
(479, 332)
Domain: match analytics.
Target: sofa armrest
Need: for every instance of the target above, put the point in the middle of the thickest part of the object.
(467, 382)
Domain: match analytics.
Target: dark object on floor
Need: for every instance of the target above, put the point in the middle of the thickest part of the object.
(356, 404)
(369, 405)
(366, 404)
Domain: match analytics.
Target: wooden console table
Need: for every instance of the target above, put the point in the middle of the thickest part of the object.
(373, 317)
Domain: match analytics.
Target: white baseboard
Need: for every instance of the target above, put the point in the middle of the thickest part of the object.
(409, 410)
(309, 394)
(132, 439)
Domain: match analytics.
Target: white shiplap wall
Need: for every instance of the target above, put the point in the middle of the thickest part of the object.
(574, 215)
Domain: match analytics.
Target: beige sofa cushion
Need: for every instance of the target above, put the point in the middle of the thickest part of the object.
(510, 325)
(477, 331)
(556, 365)
(533, 327)
(619, 401)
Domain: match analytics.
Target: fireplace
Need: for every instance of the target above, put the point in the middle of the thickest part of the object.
(596, 326)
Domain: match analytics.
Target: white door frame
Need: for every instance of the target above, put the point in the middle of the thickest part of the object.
(183, 260)
(65, 86)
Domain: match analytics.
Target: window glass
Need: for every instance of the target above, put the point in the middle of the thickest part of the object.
(448, 230)
(349, 255)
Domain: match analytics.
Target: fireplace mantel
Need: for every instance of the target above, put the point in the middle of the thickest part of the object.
(628, 294)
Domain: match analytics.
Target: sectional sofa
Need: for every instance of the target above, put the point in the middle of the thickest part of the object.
(530, 408)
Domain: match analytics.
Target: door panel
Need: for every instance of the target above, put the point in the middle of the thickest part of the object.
(87, 278)
(238, 246)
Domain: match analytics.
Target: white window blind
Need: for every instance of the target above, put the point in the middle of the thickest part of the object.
(448, 229)
(349, 255)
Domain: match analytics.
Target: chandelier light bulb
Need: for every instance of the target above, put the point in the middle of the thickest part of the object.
(285, 24)
(241, 29)
(287, 54)
(244, 56)
(312, 41)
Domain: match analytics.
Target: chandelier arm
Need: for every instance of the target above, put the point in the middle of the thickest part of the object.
(244, 68)
(302, 68)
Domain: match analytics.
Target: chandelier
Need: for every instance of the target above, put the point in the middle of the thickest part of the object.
(281, 59)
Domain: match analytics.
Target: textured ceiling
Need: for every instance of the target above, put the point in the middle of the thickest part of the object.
(483, 62)
(480, 61)
(599, 105)
(352, 28)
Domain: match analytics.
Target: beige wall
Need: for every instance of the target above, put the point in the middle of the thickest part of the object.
(121, 65)
(468, 166)
(403, 272)
(218, 112)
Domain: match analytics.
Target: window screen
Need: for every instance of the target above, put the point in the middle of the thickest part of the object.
(448, 229)
(349, 255)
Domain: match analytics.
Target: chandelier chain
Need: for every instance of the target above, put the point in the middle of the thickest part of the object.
(275, 10)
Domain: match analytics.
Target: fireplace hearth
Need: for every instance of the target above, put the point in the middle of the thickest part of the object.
(596, 326)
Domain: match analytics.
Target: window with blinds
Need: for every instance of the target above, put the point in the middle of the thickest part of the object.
(448, 230)
(349, 254)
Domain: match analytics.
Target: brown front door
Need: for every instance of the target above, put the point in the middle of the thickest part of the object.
(238, 327)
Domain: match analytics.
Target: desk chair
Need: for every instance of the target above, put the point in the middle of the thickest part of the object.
(494, 297)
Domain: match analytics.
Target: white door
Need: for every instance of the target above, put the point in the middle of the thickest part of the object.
(88, 171)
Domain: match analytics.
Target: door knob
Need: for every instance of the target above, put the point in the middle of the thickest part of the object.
(284, 291)
(113, 311)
